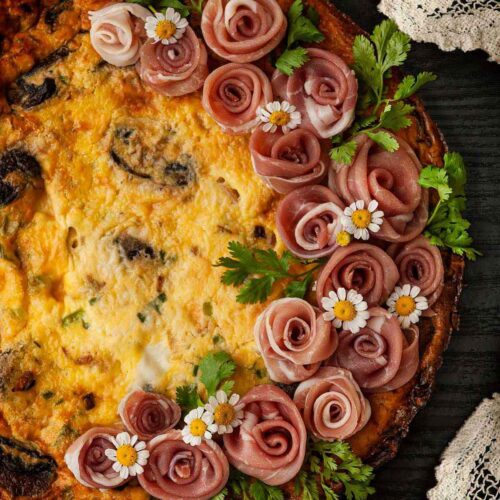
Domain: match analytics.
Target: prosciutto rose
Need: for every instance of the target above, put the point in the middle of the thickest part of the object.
(179, 471)
(362, 267)
(332, 404)
(175, 69)
(294, 339)
(243, 30)
(389, 178)
(420, 264)
(308, 220)
(324, 90)
(288, 161)
(117, 31)
(270, 444)
(381, 356)
(86, 459)
(232, 94)
(148, 414)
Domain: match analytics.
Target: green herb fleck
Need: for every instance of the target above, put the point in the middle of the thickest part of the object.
(208, 309)
(93, 300)
(48, 395)
(142, 317)
(72, 317)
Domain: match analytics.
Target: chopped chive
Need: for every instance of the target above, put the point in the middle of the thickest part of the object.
(72, 317)
(195, 370)
(208, 309)
(48, 394)
(217, 338)
(93, 300)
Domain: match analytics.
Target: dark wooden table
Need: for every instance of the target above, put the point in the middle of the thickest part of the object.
(465, 103)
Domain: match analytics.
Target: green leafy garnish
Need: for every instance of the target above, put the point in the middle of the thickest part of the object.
(446, 227)
(242, 486)
(183, 9)
(301, 28)
(329, 463)
(374, 59)
(73, 317)
(256, 271)
(262, 491)
(215, 367)
(187, 397)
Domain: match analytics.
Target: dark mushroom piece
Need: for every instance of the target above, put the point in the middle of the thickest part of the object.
(24, 471)
(133, 248)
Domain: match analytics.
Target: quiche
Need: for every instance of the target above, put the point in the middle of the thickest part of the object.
(121, 188)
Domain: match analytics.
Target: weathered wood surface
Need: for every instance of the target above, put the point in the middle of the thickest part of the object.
(465, 103)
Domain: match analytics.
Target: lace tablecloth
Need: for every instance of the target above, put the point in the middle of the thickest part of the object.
(451, 24)
(470, 466)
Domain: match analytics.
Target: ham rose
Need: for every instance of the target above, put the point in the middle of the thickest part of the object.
(420, 264)
(86, 459)
(232, 94)
(175, 69)
(288, 161)
(148, 414)
(362, 267)
(324, 90)
(381, 356)
(389, 178)
(116, 32)
(270, 444)
(293, 338)
(179, 471)
(332, 404)
(308, 220)
(243, 30)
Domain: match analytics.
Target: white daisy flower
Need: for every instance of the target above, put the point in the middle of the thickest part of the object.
(346, 309)
(199, 425)
(129, 455)
(166, 28)
(226, 412)
(358, 220)
(406, 304)
(278, 114)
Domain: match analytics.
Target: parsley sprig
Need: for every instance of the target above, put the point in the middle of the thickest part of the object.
(214, 371)
(330, 463)
(374, 59)
(446, 227)
(242, 486)
(256, 271)
(183, 9)
(301, 28)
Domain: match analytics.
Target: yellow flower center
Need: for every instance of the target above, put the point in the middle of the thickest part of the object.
(165, 29)
(361, 218)
(126, 455)
(224, 414)
(343, 238)
(344, 310)
(279, 118)
(405, 305)
(197, 427)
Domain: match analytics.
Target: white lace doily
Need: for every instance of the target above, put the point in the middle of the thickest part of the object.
(451, 24)
(470, 466)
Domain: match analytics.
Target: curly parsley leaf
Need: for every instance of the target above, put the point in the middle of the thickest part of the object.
(333, 463)
(214, 368)
(446, 226)
(301, 28)
(256, 271)
(221, 496)
(187, 397)
(262, 491)
(409, 84)
(183, 9)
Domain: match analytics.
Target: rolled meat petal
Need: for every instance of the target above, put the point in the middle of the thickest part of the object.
(293, 338)
(389, 178)
(179, 471)
(288, 161)
(117, 31)
(420, 264)
(381, 357)
(243, 30)
(362, 267)
(332, 404)
(175, 69)
(86, 459)
(324, 90)
(148, 414)
(308, 220)
(270, 444)
(233, 92)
